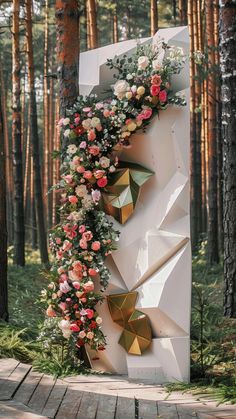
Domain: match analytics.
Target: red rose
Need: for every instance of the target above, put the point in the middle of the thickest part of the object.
(79, 130)
(155, 89)
(163, 96)
(102, 182)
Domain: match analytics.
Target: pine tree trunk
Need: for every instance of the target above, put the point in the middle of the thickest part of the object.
(115, 25)
(154, 17)
(183, 12)
(19, 227)
(9, 171)
(67, 27)
(35, 140)
(46, 113)
(213, 252)
(92, 24)
(3, 221)
(228, 94)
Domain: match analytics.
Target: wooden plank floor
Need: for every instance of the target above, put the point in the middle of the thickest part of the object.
(26, 394)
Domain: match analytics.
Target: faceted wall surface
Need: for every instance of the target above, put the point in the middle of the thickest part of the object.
(154, 253)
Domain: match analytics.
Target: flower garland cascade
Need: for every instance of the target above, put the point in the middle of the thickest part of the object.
(85, 237)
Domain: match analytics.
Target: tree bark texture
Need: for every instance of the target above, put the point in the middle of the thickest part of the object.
(228, 94)
(183, 12)
(35, 140)
(93, 32)
(3, 221)
(213, 251)
(154, 17)
(46, 112)
(115, 25)
(19, 227)
(67, 28)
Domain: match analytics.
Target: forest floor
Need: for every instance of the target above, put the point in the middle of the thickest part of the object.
(213, 366)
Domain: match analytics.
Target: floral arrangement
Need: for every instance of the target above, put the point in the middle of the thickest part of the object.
(92, 131)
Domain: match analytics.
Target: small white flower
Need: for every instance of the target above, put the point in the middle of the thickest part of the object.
(67, 133)
(71, 149)
(66, 121)
(143, 62)
(112, 169)
(129, 76)
(99, 320)
(134, 89)
(104, 162)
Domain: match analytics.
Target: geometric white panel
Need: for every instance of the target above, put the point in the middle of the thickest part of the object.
(154, 253)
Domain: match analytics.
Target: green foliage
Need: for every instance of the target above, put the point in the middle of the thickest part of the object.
(212, 335)
(15, 344)
(25, 285)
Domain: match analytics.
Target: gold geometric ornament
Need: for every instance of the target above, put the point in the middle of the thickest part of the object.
(122, 192)
(137, 335)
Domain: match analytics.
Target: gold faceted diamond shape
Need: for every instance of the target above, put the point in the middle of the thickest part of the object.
(136, 336)
(121, 194)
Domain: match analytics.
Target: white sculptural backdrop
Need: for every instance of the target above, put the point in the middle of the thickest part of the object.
(154, 253)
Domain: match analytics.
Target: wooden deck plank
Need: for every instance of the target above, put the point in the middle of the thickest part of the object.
(70, 404)
(15, 410)
(7, 366)
(28, 386)
(167, 410)
(12, 382)
(41, 394)
(147, 409)
(125, 408)
(55, 399)
(106, 407)
(88, 406)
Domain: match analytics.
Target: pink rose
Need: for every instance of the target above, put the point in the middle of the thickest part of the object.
(83, 244)
(89, 313)
(80, 169)
(90, 335)
(145, 114)
(66, 245)
(88, 235)
(58, 240)
(50, 312)
(163, 96)
(88, 286)
(156, 79)
(94, 150)
(68, 179)
(63, 277)
(96, 246)
(92, 272)
(87, 109)
(98, 174)
(73, 199)
(87, 174)
(83, 144)
(64, 287)
(76, 285)
(63, 306)
(99, 105)
(77, 265)
(106, 113)
(82, 229)
(91, 135)
(102, 182)
(155, 89)
(77, 119)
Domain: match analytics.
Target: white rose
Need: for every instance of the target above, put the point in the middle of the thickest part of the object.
(104, 162)
(66, 121)
(99, 320)
(81, 191)
(66, 333)
(82, 334)
(120, 88)
(64, 324)
(67, 133)
(112, 169)
(87, 123)
(134, 89)
(95, 122)
(71, 149)
(143, 62)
